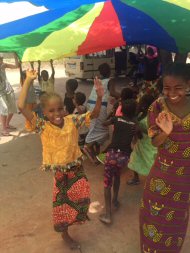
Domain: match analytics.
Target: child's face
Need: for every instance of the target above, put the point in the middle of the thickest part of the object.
(45, 75)
(175, 89)
(54, 111)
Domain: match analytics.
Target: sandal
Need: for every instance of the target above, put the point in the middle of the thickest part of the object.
(101, 158)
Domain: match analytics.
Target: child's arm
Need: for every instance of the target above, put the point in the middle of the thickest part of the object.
(52, 69)
(30, 76)
(108, 122)
(21, 77)
(39, 76)
(158, 140)
(100, 93)
(164, 122)
(32, 65)
(13, 66)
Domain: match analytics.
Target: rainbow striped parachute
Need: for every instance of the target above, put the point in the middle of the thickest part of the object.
(50, 29)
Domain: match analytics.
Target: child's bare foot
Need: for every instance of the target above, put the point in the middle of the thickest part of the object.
(11, 127)
(73, 245)
(105, 218)
(6, 133)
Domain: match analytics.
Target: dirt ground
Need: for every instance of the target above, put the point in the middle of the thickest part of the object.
(26, 199)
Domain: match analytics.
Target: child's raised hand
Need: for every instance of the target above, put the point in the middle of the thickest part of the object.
(164, 122)
(99, 88)
(31, 74)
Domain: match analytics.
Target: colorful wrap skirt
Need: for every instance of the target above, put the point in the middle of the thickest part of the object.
(164, 209)
(71, 198)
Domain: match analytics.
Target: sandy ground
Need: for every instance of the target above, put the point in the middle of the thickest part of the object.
(26, 199)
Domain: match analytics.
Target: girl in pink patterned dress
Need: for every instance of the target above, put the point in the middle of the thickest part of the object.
(164, 209)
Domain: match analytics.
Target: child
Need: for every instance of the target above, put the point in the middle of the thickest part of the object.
(151, 64)
(151, 71)
(98, 133)
(118, 154)
(164, 210)
(59, 136)
(126, 93)
(143, 154)
(71, 86)
(46, 83)
(7, 97)
(38, 109)
(79, 100)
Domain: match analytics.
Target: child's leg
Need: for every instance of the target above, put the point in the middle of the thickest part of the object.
(135, 180)
(9, 117)
(106, 217)
(122, 160)
(106, 149)
(97, 148)
(136, 176)
(93, 150)
(88, 150)
(107, 197)
(108, 176)
(70, 242)
(3, 121)
(116, 187)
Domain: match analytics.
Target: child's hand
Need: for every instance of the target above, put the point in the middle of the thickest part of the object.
(31, 74)
(164, 121)
(99, 88)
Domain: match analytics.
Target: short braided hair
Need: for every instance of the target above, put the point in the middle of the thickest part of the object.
(47, 96)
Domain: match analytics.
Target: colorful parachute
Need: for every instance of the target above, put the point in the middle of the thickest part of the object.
(50, 29)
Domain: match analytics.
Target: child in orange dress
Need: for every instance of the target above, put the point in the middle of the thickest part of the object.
(62, 155)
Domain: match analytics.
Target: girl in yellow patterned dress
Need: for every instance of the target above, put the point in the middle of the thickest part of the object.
(61, 153)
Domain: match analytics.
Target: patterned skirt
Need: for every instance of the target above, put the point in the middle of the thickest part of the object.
(164, 209)
(71, 198)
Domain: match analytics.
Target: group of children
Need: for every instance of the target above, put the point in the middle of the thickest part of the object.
(150, 136)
